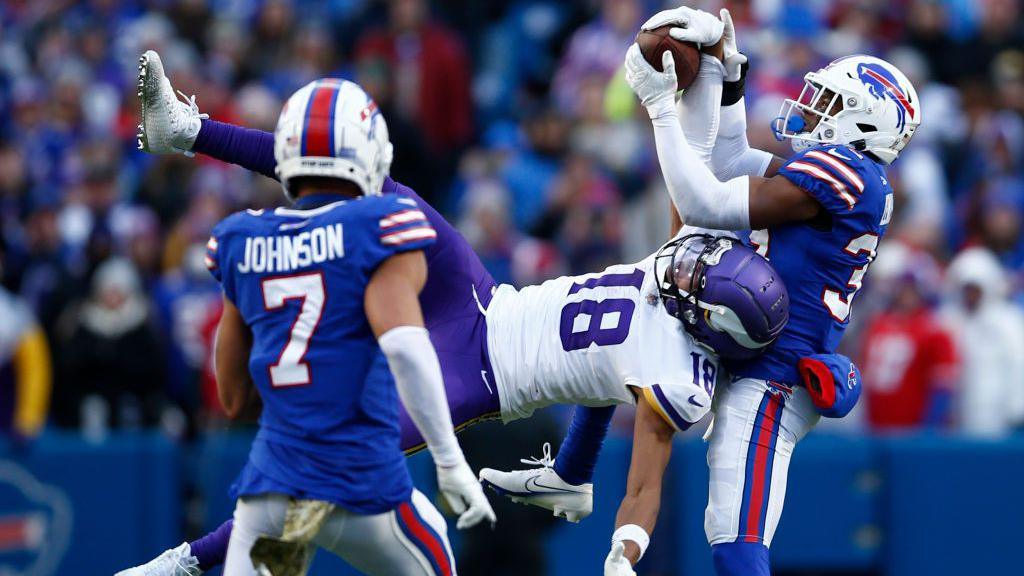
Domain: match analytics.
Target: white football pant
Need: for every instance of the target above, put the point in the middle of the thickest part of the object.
(756, 426)
(411, 540)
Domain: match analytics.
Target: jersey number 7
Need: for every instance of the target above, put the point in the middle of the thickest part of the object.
(290, 369)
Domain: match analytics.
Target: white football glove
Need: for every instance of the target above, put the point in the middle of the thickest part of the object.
(733, 58)
(655, 89)
(691, 25)
(465, 495)
(616, 564)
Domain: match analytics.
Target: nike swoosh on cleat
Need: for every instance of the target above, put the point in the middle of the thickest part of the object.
(532, 481)
(694, 402)
(503, 491)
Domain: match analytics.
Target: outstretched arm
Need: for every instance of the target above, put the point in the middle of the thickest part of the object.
(732, 155)
(246, 147)
(638, 512)
(700, 198)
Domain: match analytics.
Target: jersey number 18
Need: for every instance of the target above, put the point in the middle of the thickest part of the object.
(599, 322)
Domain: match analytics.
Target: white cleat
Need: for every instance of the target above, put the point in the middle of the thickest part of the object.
(168, 124)
(174, 562)
(542, 487)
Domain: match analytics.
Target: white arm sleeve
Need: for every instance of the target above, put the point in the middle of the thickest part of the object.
(699, 107)
(701, 199)
(732, 155)
(417, 372)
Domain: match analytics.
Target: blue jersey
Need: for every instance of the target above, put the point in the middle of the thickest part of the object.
(329, 428)
(822, 261)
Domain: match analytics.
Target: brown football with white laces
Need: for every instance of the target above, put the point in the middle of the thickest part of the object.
(653, 43)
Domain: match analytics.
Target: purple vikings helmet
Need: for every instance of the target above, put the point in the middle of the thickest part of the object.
(729, 298)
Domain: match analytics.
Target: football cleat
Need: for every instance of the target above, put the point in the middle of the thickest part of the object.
(168, 124)
(174, 562)
(542, 487)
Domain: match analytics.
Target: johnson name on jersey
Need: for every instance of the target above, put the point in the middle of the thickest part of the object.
(330, 408)
(822, 262)
(586, 339)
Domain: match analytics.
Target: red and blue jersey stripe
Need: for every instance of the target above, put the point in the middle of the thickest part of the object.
(833, 168)
(405, 227)
(760, 462)
(833, 161)
(425, 538)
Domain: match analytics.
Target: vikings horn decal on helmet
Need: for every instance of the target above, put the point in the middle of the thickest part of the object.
(860, 101)
(728, 297)
(332, 128)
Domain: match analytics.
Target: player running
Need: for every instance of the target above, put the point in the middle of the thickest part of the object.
(319, 300)
(632, 334)
(818, 217)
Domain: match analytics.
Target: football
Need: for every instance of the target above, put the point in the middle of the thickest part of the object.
(654, 42)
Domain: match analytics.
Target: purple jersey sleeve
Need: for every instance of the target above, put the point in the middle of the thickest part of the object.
(680, 405)
(832, 175)
(249, 148)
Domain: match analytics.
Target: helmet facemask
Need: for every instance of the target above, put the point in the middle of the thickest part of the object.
(679, 267)
(820, 102)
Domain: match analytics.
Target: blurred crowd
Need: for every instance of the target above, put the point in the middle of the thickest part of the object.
(510, 116)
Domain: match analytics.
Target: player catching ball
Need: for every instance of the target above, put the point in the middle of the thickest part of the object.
(818, 217)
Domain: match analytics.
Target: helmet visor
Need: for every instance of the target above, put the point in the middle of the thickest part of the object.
(678, 263)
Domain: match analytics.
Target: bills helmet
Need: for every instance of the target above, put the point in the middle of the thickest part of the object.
(860, 101)
(729, 298)
(332, 128)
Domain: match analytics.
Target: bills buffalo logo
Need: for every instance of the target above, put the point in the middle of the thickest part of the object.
(35, 523)
(882, 84)
(369, 111)
(851, 377)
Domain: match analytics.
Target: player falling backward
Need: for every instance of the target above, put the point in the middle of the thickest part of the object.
(818, 217)
(598, 339)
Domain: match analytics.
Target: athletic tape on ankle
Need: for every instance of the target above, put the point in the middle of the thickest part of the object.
(634, 533)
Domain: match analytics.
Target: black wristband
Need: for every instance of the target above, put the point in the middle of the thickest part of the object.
(732, 92)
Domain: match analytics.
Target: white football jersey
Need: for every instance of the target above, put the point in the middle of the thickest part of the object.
(585, 339)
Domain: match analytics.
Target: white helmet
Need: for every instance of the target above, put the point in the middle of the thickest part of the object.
(332, 128)
(878, 114)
